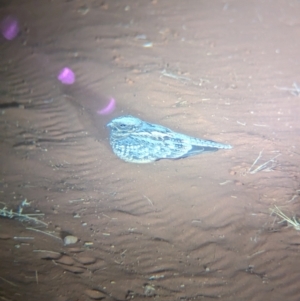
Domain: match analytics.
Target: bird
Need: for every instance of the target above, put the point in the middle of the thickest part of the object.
(136, 141)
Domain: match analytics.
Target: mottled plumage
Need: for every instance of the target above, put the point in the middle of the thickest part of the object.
(134, 140)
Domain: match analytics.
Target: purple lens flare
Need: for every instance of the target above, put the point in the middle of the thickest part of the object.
(109, 108)
(66, 76)
(10, 28)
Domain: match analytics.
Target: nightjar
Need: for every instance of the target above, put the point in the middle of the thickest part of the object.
(134, 140)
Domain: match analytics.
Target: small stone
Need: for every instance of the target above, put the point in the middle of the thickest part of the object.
(66, 260)
(49, 255)
(94, 294)
(86, 260)
(148, 45)
(75, 250)
(70, 239)
(75, 270)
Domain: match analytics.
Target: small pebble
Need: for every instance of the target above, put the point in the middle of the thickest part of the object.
(75, 250)
(93, 294)
(66, 260)
(70, 239)
(74, 269)
(49, 255)
(148, 45)
(86, 260)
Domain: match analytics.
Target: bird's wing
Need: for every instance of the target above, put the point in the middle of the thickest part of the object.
(184, 147)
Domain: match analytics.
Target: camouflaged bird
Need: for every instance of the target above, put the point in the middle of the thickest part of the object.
(136, 141)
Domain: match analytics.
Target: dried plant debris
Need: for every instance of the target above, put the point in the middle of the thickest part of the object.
(20, 215)
(267, 166)
(295, 90)
(291, 221)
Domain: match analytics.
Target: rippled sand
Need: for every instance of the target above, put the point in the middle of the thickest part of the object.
(192, 229)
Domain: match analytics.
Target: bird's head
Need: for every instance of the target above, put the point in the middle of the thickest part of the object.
(124, 125)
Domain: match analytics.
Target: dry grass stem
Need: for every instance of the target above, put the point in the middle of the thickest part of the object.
(290, 221)
(44, 232)
(18, 214)
(265, 166)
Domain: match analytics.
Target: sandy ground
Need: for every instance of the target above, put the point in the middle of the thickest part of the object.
(192, 229)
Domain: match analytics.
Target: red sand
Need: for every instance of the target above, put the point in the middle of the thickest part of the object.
(192, 229)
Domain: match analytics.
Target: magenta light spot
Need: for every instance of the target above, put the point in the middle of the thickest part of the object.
(66, 76)
(10, 28)
(109, 108)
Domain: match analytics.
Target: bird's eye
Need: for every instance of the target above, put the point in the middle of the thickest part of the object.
(122, 125)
